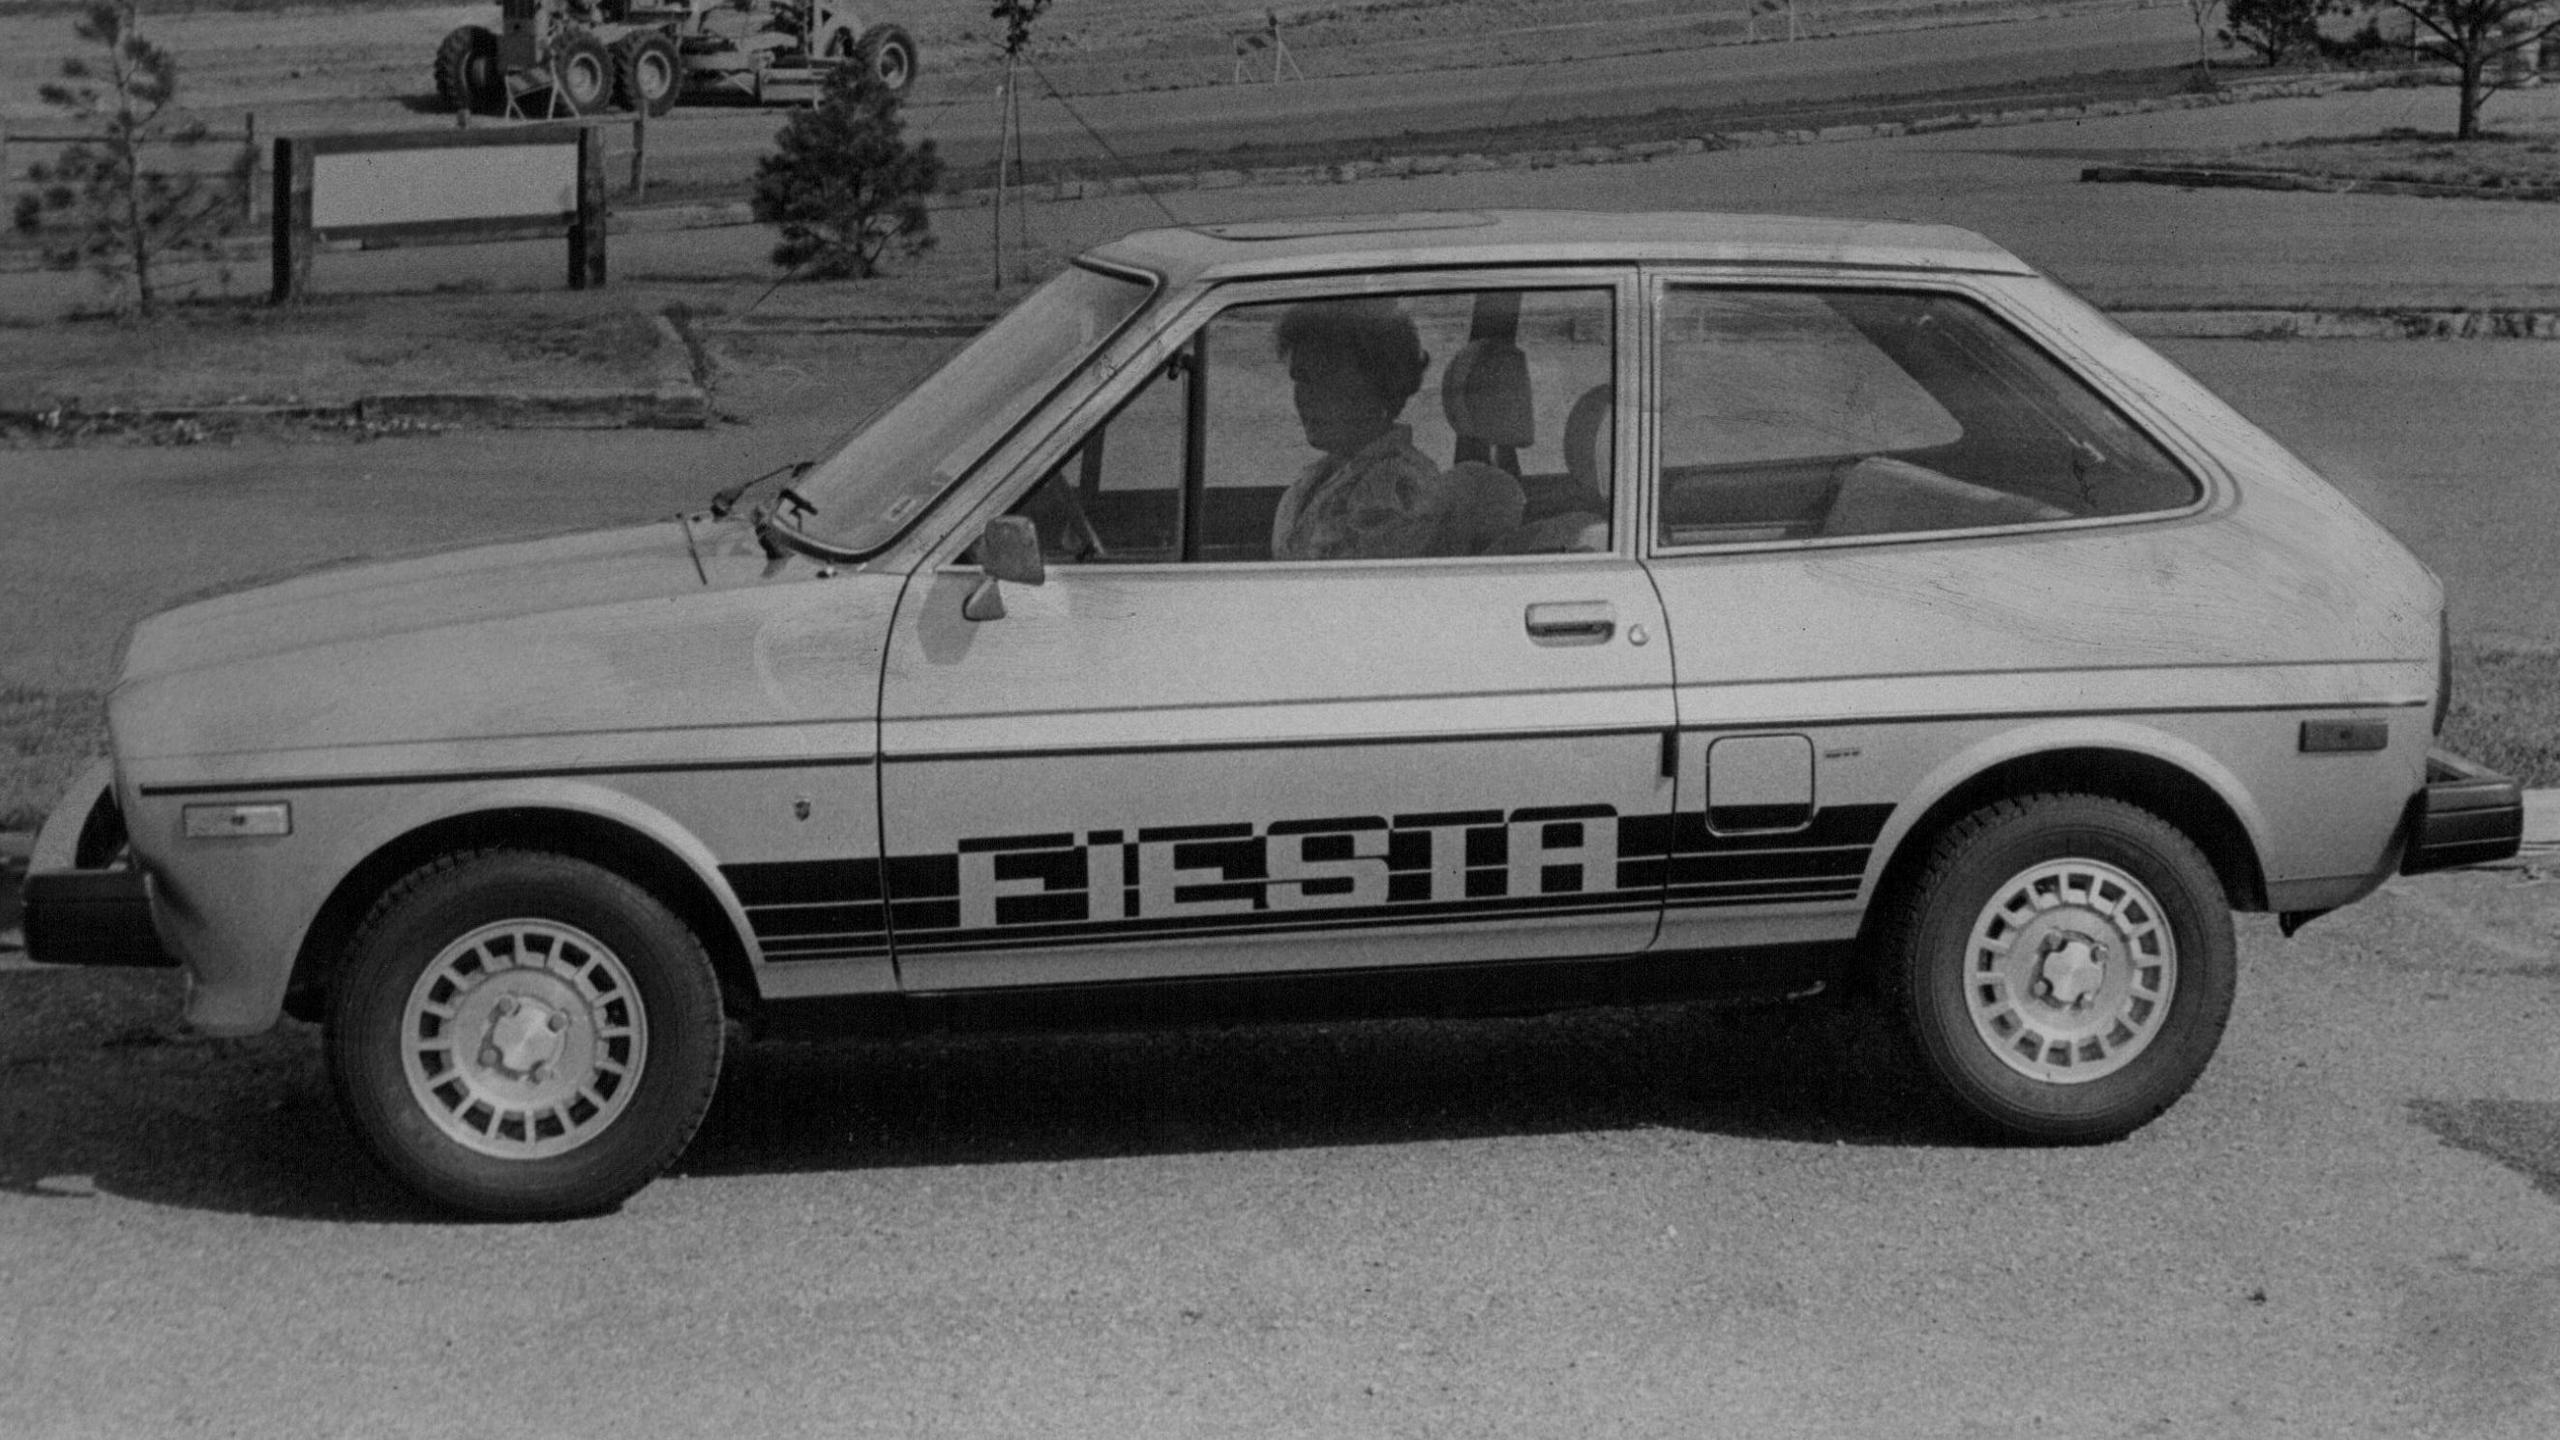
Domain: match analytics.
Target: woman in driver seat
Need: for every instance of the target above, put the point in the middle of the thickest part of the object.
(1352, 366)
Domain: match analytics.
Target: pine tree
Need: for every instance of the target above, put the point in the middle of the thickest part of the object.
(843, 185)
(113, 211)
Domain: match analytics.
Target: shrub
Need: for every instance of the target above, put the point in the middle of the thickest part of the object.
(843, 184)
(2274, 29)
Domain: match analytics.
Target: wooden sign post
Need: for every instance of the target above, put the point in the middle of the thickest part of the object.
(441, 186)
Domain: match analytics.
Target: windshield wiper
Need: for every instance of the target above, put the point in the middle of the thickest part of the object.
(727, 500)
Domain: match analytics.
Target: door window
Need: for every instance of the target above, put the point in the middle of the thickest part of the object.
(1813, 414)
(1353, 427)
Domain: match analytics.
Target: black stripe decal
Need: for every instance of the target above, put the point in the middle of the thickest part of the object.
(1229, 879)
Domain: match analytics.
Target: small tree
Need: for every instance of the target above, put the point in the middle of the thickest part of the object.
(2273, 30)
(843, 184)
(121, 217)
(2201, 12)
(2474, 36)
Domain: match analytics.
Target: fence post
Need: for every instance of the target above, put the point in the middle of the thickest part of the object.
(4, 164)
(587, 231)
(640, 152)
(292, 220)
(249, 182)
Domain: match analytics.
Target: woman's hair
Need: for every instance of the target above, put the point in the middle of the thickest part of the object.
(1377, 337)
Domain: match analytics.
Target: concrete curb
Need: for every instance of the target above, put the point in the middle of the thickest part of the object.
(2208, 177)
(2541, 844)
(2417, 324)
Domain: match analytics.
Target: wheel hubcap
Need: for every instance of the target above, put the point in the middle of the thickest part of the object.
(524, 1039)
(2069, 971)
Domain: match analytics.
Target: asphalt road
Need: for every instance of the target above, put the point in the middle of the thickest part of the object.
(1659, 1223)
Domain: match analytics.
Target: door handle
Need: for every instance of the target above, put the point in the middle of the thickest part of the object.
(1572, 622)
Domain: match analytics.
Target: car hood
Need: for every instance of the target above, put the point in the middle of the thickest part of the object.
(349, 602)
(618, 644)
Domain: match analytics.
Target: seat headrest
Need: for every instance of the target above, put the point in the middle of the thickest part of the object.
(1485, 393)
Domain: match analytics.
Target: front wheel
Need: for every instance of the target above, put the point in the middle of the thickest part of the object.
(523, 1035)
(2065, 965)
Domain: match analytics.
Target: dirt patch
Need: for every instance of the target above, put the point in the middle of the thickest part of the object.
(330, 351)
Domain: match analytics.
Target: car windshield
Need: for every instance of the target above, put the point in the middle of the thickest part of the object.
(894, 466)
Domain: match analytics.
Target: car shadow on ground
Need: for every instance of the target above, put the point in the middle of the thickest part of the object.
(99, 1094)
(1801, 1073)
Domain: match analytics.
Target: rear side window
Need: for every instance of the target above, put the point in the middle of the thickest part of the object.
(1814, 414)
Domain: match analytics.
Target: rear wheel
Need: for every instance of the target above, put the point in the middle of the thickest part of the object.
(581, 72)
(523, 1035)
(2065, 965)
(467, 76)
(647, 74)
(891, 53)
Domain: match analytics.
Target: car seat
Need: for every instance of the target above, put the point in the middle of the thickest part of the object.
(1484, 392)
(1570, 512)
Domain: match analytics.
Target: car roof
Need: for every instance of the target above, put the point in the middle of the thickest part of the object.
(1399, 240)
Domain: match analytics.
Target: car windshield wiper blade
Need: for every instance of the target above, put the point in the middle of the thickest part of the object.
(727, 500)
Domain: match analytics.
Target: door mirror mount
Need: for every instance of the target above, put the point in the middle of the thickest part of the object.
(1008, 549)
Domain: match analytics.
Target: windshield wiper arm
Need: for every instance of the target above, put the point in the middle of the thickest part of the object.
(727, 500)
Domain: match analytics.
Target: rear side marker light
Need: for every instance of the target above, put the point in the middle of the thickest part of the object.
(2336, 737)
(225, 822)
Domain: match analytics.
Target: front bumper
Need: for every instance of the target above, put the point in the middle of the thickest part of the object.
(2467, 814)
(85, 902)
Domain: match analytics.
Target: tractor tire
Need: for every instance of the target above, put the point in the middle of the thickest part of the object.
(581, 73)
(467, 75)
(891, 53)
(647, 73)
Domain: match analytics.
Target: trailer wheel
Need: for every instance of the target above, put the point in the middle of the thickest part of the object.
(581, 72)
(647, 75)
(466, 67)
(892, 53)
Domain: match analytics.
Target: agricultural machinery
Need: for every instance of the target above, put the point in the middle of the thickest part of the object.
(584, 56)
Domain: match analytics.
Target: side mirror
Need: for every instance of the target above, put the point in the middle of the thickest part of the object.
(1008, 549)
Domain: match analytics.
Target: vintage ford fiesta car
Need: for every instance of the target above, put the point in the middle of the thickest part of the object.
(1419, 613)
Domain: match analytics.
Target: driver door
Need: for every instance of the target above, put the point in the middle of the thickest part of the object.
(1179, 757)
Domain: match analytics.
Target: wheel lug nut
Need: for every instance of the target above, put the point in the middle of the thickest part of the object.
(508, 1005)
(558, 1022)
(489, 1056)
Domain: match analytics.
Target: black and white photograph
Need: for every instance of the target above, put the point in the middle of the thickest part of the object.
(1172, 718)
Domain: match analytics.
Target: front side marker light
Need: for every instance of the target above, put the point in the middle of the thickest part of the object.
(227, 822)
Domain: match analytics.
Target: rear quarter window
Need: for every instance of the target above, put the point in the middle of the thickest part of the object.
(1819, 414)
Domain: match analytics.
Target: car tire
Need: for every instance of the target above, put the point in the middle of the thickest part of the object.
(522, 1035)
(2064, 965)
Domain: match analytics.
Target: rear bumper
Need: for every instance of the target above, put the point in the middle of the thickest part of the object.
(2467, 814)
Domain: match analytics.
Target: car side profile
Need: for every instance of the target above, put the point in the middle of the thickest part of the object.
(1425, 613)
